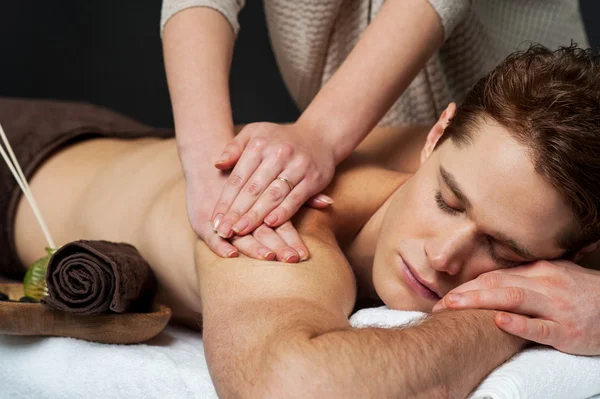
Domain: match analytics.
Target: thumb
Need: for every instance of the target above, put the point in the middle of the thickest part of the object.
(319, 201)
(231, 154)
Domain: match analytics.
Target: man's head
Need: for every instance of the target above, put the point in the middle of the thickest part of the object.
(512, 179)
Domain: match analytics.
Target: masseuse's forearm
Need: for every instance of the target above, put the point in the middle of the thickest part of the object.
(445, 356)
(198, 46)
(393, 49)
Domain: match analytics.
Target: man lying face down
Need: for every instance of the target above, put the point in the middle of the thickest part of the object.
(508, 179)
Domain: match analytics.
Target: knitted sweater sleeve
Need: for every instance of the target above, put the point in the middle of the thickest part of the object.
(229, 9)
(451, 12)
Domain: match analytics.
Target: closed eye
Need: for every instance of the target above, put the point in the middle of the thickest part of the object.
(497, 258)
(443, 205)
(439, 200)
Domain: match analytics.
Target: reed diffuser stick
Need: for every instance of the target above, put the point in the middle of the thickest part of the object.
(17, 172)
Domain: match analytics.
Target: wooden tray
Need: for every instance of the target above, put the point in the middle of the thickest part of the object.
(21, 318)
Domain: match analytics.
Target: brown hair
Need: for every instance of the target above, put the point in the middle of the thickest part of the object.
(549, 101)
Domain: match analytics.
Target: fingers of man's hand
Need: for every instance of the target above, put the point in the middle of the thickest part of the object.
(515, 299)
(495, 279)
(545, 332)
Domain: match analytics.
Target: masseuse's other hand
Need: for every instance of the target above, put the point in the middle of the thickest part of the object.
(282, 243)
(553, 303)
(203, 185)
(277, 169)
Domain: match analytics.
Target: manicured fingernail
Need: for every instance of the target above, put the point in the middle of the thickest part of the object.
(437, 307)
(455, 299)
(271, 219)
(225, 230)
(217, 221)
(324, 199)
(232, 254)
(266, 254)
(504, 318)
(241, 225)
(302, 254)
(223, 158)
(290, 257)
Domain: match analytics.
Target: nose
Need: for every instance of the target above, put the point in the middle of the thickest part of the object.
(449, 252)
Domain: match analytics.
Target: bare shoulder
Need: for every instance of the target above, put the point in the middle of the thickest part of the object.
(359, 190)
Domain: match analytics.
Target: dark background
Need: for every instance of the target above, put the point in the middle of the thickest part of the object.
(108, 52)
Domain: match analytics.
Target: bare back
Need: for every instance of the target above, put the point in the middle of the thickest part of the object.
(134, 191)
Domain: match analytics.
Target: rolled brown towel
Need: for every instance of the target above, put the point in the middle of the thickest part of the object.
(90, 277)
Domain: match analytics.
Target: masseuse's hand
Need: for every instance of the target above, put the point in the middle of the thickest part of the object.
(282, 243)
(277, 169)
(553, 303)
(203, 186)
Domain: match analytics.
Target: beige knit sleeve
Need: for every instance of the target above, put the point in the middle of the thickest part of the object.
(451, 12)
(229, 9)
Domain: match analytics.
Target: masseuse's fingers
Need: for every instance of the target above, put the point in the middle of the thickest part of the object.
(272, 240)
(265, 178)
(217, 244)
(545, 332)
(249, 161)
(319, 201)
(290, 205)
(292, 238)
(232, 152)
(279, 189)
(514, 299)
(249, 246)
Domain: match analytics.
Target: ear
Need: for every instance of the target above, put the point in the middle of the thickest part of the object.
(584, 251)
(437, 131)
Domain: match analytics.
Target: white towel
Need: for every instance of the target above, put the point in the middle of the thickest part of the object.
(538, 372)
(172, 365)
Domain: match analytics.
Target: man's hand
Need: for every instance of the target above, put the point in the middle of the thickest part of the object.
(277, 169)
(553, 303)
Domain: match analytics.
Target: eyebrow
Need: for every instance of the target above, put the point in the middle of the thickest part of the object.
(501, 238)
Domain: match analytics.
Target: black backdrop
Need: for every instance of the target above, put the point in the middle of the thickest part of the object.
(108, 52)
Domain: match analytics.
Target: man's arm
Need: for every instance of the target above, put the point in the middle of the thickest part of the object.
(281, 330)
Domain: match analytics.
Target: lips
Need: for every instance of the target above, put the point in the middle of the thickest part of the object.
(420, 286)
